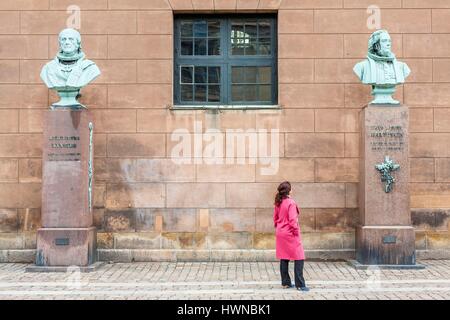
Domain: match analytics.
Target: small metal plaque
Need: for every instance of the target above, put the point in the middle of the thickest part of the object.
(62, 242)
(389, 239)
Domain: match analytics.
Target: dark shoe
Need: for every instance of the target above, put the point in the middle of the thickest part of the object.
(287, 286)
(303, 289)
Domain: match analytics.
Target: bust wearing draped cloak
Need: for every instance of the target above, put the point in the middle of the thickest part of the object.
(69, 71)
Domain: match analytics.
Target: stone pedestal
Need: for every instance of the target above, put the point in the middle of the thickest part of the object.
(66, 246)
(385, 235)
(67, 236)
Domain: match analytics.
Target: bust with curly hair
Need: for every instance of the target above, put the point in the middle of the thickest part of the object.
(381, 69)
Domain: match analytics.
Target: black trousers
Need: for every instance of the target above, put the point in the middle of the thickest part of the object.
(298, 272)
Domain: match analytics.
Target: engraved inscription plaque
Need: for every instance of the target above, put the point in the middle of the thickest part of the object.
(389, 239)
(64, 148)
(386, 138)
(62, 242)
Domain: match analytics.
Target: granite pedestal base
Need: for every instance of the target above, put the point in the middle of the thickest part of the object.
(71, 269)
(67, 237)
(359, 266)
(385, 245)
(385, 236)
(64, 247)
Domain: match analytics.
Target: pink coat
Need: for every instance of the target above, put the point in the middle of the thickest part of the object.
(288, 238)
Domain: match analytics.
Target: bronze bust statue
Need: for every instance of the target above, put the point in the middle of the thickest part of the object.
(69, 71)
(381, 69)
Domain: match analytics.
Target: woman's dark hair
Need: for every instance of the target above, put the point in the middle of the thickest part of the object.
(283, 191)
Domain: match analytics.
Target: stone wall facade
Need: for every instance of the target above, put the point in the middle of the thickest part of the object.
(147, 207)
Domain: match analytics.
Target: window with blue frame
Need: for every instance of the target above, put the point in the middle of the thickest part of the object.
(225, 60)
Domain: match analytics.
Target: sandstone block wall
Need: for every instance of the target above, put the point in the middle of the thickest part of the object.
(143, 201)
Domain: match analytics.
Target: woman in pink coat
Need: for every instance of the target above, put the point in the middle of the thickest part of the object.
(288, 238)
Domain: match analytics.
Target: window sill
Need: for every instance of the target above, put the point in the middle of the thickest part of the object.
(225, 107)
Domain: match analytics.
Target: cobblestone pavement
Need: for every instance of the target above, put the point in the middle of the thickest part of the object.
(232, 280)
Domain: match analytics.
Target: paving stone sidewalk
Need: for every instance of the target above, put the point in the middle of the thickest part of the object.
(227, 280)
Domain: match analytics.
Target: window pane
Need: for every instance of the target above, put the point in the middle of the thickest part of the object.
(250, 47)
(250, 29)
(186, 74)
(240, 41)
(237, 93)
(214, 93)
(214, 47)
(186, 92)
(186, 47)
(200, 74)
(264, 46)
(265, 93)
(186, 29)
(265, 74)
(237, 74)
(200, 93)
(200, 47)
(237, 30)
(250, 74)
(250, 93)
(237, 48)
(250, 50)
(264, 29)
(245, 82)
(214, 75)
(200, 29)
(213, 29)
